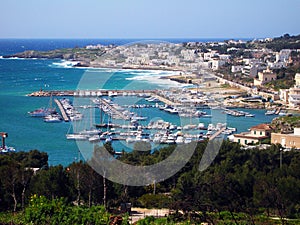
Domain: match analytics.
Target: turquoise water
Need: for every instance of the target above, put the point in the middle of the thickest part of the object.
(19, 77)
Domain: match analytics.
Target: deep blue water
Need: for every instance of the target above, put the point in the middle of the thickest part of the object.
(19, 77)
(10, 46)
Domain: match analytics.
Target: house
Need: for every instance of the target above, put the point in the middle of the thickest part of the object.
(284, 95)
(256, 135)
(238, 68)
(283, 55)
(294, 93)
(287, 140)
(216, 64)
(264, 77)
(250, 70)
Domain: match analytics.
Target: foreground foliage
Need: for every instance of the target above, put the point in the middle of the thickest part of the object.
(240, 185)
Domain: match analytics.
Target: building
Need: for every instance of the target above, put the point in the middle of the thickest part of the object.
(284, 95)
(294, 93)
(256, 135)
(287, 140)
(216, 64)
(235, 69)
(264, 77)
(250, 70)
(283, 55)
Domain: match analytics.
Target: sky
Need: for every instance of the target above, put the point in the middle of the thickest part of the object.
(148, 19)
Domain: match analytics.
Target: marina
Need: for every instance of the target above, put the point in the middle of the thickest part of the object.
(27, 132)
(117, 121)
(128, 124)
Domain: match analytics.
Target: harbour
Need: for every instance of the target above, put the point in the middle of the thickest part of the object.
(125, 124)
(27, 133)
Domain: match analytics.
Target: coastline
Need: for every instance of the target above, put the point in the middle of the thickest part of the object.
(180, 58)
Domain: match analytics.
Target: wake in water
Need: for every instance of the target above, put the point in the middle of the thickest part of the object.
(158, 78)
(65, 64)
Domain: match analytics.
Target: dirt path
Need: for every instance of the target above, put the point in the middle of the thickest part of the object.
(141, 213)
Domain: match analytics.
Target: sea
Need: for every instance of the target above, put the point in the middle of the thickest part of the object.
(19, 77)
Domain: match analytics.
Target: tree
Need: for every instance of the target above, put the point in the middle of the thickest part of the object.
(51, 183)
(10, 179)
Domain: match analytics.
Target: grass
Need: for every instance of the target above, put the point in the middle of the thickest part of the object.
(11, 218)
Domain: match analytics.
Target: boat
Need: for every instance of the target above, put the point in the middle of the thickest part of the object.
(152, 99)
(201, 126)
(108, 139)
(270, 112)
(7, 149)
(90, 132)
(179, 140)
(130, 140)
(188, 140)
(249, 115)
(189, 126)
(206, 116)
(53, 118)
(42, 112)
(141, 118)
(172, 110)
(94, 138)
(78, 137)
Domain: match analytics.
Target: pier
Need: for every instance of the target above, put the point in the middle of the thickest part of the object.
(164, 100)
(212, 137)
(62, 110)
(90, 93)
(113, 110)
(277, 110)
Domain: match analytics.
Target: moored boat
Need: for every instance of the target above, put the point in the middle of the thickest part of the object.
(42, 112)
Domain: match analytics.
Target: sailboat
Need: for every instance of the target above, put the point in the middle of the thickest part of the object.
(42, 112)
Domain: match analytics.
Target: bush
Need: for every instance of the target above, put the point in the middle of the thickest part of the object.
(43, 211)
(154, 201)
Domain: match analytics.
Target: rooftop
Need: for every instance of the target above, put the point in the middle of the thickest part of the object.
(262, 126)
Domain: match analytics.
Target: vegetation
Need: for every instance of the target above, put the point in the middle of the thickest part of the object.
(240, 187)
(286, 124)
(284, 42)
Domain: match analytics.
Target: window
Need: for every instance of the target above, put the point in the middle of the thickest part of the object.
(255, 132)
(245, 141)
(260, 132)
(239, 140)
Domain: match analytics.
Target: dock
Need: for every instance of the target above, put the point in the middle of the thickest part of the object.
(90, 93)
(277, 110)
(164, 100)
(212, 137)
(62, 110)
(113, 109)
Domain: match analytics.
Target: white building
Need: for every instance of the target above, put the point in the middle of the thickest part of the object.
(250, 70)
(235, 69)
(294, 93)
(283, 55)
(224, 57)
(277, 65)
(210, 55)
(284, 95)
(216, 64)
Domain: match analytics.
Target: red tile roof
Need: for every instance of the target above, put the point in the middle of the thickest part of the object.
(262, 126)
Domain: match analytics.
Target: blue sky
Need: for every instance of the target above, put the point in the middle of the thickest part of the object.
(148, 19)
